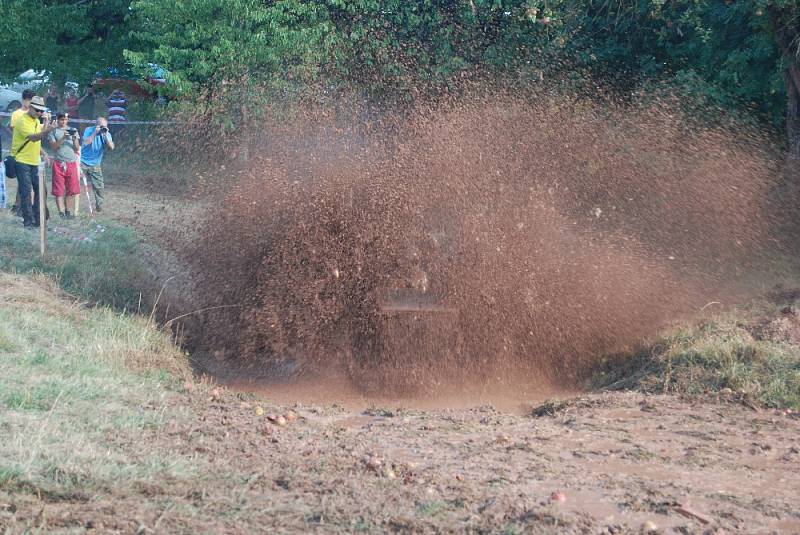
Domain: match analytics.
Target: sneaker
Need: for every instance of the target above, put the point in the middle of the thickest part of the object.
(63, 215)
(98, 209)
(69, 215)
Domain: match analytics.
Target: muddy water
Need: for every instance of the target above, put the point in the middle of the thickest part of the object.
(340, 391)
(530, 237)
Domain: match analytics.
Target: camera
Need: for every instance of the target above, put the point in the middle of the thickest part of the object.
(103, 129)
(45, 112)
(72, 131)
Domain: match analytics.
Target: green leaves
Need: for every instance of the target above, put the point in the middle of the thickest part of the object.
(70, 39)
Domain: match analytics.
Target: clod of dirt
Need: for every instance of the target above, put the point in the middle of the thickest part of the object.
(784, 328)
(373, 463)
(558, 497)
(649, 527)
(502, 438)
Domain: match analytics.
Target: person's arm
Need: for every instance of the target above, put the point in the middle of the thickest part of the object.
(55, 144)
(43, 133)
(87, 140)
(109, 140)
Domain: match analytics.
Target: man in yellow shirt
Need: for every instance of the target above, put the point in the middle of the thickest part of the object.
(26, 146)
(27, 95)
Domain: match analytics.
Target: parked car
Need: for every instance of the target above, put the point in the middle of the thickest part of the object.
(125, 80)
(10, 100)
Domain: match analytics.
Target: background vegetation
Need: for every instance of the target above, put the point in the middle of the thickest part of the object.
(740, 54)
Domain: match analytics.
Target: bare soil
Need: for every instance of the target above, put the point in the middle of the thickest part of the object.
(602, 463)
(300, 458)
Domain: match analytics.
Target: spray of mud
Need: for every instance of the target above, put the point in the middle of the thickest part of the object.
(486, 241)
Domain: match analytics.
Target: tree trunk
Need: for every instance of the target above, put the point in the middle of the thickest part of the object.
(792, 118)
(786, 28)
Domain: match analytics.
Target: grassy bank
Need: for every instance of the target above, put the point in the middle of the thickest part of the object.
(751, 354)
(72, 381)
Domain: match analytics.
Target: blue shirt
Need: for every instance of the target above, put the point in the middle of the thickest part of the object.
(92, 155)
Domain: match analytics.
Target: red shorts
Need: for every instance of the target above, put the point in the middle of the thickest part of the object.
(65, 174)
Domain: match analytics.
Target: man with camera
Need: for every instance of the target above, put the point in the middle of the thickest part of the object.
(27, 95)
(26, 144)
(65, 141)
(95, 141)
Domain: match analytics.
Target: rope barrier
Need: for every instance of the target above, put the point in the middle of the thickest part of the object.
(92, 121)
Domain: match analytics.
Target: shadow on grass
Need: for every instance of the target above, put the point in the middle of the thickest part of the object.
(97, 261)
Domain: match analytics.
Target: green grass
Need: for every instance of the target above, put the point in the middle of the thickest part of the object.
(100, 263)
(714, 355)
(72, 380)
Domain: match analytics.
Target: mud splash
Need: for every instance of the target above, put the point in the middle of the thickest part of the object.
(486, 241)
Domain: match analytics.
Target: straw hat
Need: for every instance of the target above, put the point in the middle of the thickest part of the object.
(37, 103)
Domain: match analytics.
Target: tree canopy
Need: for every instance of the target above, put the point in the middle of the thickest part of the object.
(740, 54)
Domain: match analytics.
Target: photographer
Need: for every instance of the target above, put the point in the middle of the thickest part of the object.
(86, 104)
(27, 95)
(64, 140)
(26, 144)
(95, 141)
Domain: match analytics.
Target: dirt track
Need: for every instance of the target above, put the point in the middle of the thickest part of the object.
(611, 463)
(606, 463)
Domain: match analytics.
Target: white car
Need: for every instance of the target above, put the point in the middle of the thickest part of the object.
(10, 100)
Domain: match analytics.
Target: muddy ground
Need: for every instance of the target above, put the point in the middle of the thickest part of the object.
(603, 463)
(598, 463)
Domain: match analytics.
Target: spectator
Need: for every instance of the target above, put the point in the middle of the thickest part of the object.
(86, 103)
(27, 95)
(51, 98)
(64, 140)
(2, 178)
(26, 147)
(95, 140)
(71, 101)
(117, 109)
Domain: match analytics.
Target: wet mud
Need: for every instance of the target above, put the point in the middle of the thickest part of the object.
(498, 240)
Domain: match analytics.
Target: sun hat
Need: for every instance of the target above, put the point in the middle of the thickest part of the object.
(37, 103)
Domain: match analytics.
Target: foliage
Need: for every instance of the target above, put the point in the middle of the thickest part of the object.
(731, 53)
(70, 38)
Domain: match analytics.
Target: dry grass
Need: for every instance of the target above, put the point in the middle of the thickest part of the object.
(71, 378)
(750, 353)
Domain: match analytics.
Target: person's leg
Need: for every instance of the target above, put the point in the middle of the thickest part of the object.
(58, 186)
(72, 187)
(36, 192)
(70, 206)
(96, 175)
(2, 190)
(24, 191)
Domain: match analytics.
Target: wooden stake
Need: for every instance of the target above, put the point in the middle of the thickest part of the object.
(42, 213)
